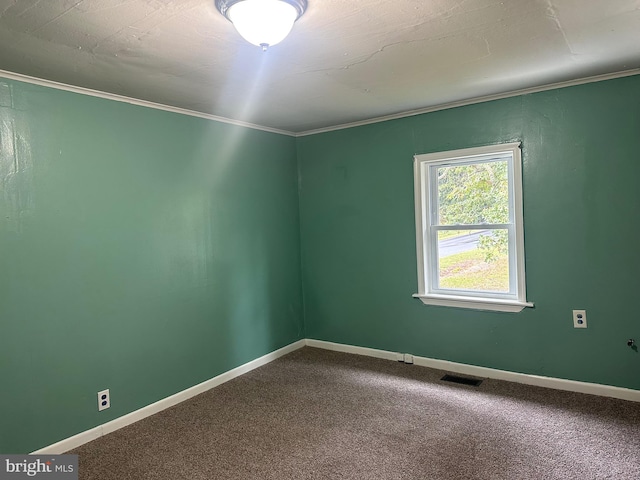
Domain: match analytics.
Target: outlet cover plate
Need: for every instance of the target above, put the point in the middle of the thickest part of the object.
(579, 319)
(104, 400)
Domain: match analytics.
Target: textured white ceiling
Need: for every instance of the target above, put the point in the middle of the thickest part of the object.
(344, 61)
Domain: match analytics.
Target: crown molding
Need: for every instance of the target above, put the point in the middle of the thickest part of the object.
(472, 101)
(410, 113)
(134, 101)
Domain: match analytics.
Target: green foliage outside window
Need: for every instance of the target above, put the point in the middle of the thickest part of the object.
(476, 194)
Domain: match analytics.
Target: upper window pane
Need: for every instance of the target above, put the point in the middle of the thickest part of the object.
(472, 194)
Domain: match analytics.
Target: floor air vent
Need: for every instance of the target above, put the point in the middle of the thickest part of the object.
(463, 380)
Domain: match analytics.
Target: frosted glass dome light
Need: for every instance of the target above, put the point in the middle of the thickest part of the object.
(263, 23)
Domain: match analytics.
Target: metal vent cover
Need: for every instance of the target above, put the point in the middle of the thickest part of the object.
(461, 380)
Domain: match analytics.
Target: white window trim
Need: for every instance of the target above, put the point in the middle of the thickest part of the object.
(422, 208)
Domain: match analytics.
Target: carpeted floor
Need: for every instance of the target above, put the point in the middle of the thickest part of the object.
(315, 414)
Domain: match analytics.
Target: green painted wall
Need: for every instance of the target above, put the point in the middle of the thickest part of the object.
(145, 251)
(581, 204)
(140, 250)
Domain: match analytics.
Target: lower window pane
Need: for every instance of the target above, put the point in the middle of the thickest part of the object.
(476, 260)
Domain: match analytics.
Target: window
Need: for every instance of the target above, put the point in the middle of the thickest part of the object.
(470, 240)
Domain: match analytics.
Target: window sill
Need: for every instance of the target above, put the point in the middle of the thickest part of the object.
(473, 302)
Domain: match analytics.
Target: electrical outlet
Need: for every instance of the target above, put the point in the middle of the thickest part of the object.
(104, 401)
(400, 357)
(579, 319)
(408, 358)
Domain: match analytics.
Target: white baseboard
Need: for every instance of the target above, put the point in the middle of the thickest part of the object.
(484, 372)
(341, 347)
(120, 422)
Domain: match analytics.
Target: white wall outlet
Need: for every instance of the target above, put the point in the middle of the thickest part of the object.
(400, 357)
(104, 400)
(408, 358)
(579, 319)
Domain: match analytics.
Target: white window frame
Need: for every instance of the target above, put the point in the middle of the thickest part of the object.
(427, 230)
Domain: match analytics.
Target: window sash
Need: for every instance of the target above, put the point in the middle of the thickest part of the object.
(434, 226)
(432, 178)
(433, 264)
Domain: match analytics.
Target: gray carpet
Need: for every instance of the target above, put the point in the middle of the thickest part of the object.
(315, 414)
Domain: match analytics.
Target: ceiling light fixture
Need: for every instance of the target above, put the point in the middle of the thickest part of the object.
(262, 22)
